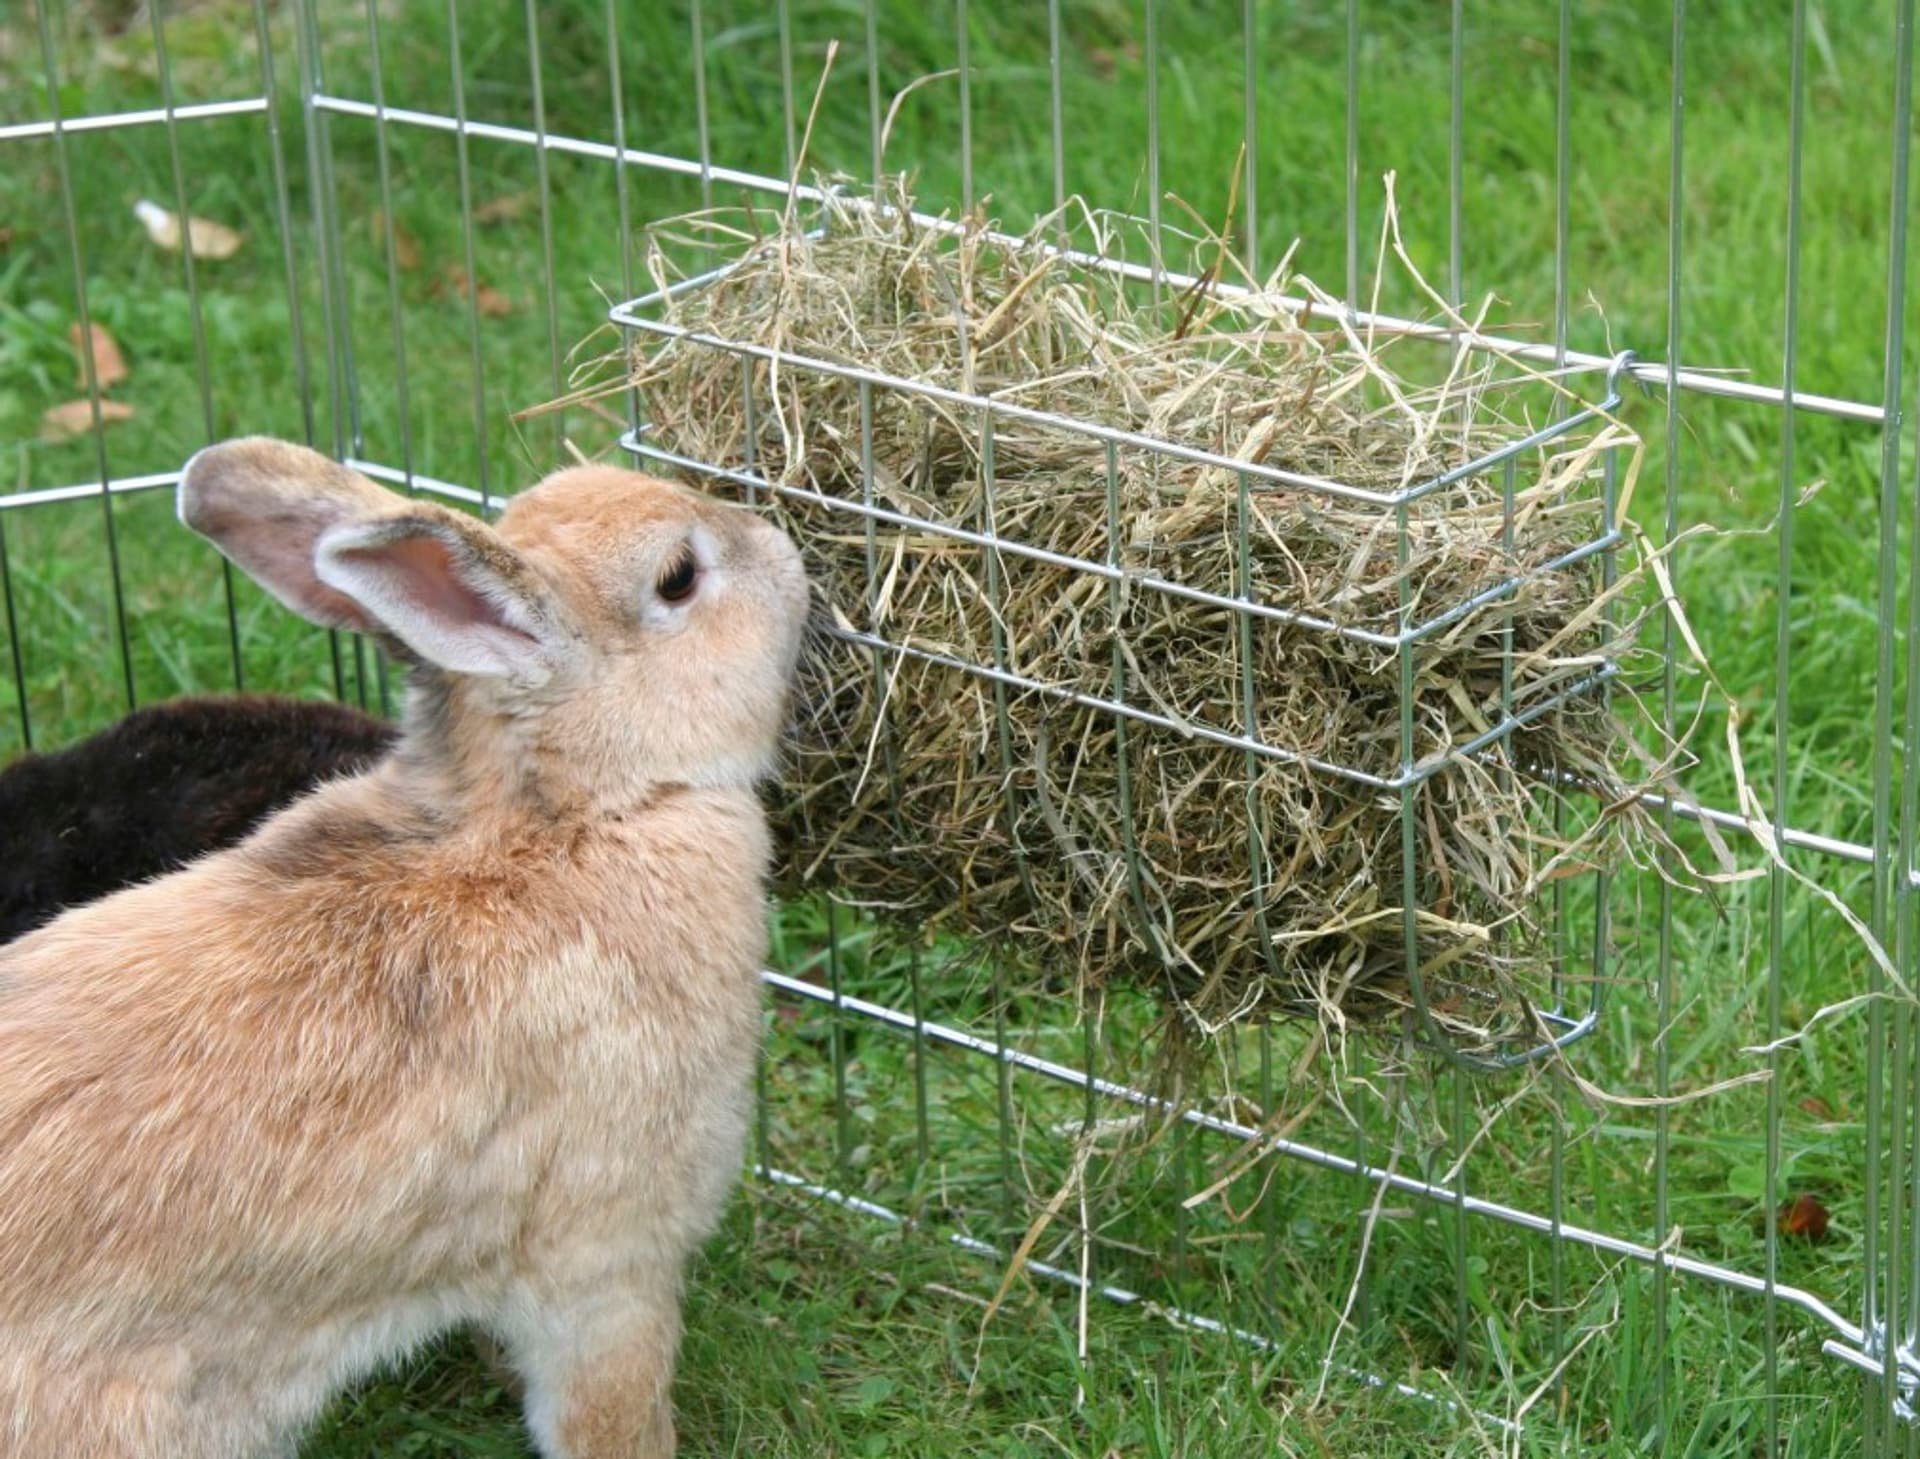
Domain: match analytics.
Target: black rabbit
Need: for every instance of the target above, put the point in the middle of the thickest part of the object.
(165, 785)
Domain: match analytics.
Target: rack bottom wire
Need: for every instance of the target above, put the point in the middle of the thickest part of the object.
(1120, 1296)
(1844, 1339)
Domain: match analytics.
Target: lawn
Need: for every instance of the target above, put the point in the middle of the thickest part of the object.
(814, 1329)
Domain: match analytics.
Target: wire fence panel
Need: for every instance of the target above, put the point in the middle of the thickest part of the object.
(1686, 1211)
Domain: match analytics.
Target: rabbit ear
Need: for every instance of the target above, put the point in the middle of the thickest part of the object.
(348, 554)
(265, 503)
(450, 589)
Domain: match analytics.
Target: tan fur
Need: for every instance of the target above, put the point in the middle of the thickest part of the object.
(468, 1038)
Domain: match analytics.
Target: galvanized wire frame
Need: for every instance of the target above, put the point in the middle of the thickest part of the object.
(1880, 1338)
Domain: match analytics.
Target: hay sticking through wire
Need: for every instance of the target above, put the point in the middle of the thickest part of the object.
(1165, 846)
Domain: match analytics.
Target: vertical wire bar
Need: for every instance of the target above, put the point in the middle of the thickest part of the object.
(963, 44)
(361, 680)
(1153, 146)
(750, 430)
(316, 137)
(1663, 995)
(1556, 1135)
(1409, 881)
(1909, 953)
(283, 211)
(1562, 180)
(1090, 1024)
(1902, 1215)
(543, 184)
(396, 323)
(837, 1052)
(890, 763)
(1259, 868)
(700, 119)
(1250, 135)
(996, 599)
(875, 143)
(1782, 712)
(344, 376)
(1880, 1317)
(1003, 1094)
(464, 166)
(1456, 109)
(163, 64)
(1603, 880)
(1122, 736)
(76, 253)
(1363, 1305)
(1056, 107)
(623, 199)
(1177, 1185)
(396, 314)
(1269, 1202)
(1456, 126)
(1003, 726)
(784, 12)
(922, 1126)
(1353, 154)
(16, 650)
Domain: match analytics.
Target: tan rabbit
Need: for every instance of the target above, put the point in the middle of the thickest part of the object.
(467, 1038)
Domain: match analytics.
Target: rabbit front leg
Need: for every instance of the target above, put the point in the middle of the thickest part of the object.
(598, 1363)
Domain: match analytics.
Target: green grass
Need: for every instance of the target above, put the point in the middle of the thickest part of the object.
(815, 1331)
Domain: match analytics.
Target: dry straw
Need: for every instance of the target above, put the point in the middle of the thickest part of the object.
(1147, 849)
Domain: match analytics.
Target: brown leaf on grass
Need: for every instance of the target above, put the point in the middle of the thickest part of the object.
(109, 365)
(487, 299)
(206, 238)
(75, 418)
(1804, 1217)
(504, 209)
(1817, 1107)
(406, 248)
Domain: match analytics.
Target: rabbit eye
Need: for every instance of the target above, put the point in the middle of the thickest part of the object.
(677, 583)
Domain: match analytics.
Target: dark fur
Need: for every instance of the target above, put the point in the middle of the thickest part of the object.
(165, 785)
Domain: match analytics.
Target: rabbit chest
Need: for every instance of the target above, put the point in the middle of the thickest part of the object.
(622, 1067)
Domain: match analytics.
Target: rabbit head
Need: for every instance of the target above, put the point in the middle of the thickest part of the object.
(610, 632)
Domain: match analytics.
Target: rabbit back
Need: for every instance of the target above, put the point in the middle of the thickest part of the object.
(159, 788)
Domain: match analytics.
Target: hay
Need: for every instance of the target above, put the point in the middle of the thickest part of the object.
(1238, 886)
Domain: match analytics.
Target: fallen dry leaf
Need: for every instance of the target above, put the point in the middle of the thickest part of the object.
(1804, 1217)
(504, 209)
(487, 299)
(406, 248)
(75, 418)
(109, 365)
(206, 238)
(1817, 1107)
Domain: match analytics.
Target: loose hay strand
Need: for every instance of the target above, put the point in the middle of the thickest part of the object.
(1120, 846)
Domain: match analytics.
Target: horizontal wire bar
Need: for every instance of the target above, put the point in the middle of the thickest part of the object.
(112, 121)
(1122, 1296)
(1814, 1306)
(431, 485)
(629, 316)
(625, 316)
(1647, 372)
(158, 480)
(1189, 729)
(634, 442)
(85, 490)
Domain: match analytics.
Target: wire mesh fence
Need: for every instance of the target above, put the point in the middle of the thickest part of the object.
(1614, 1246)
